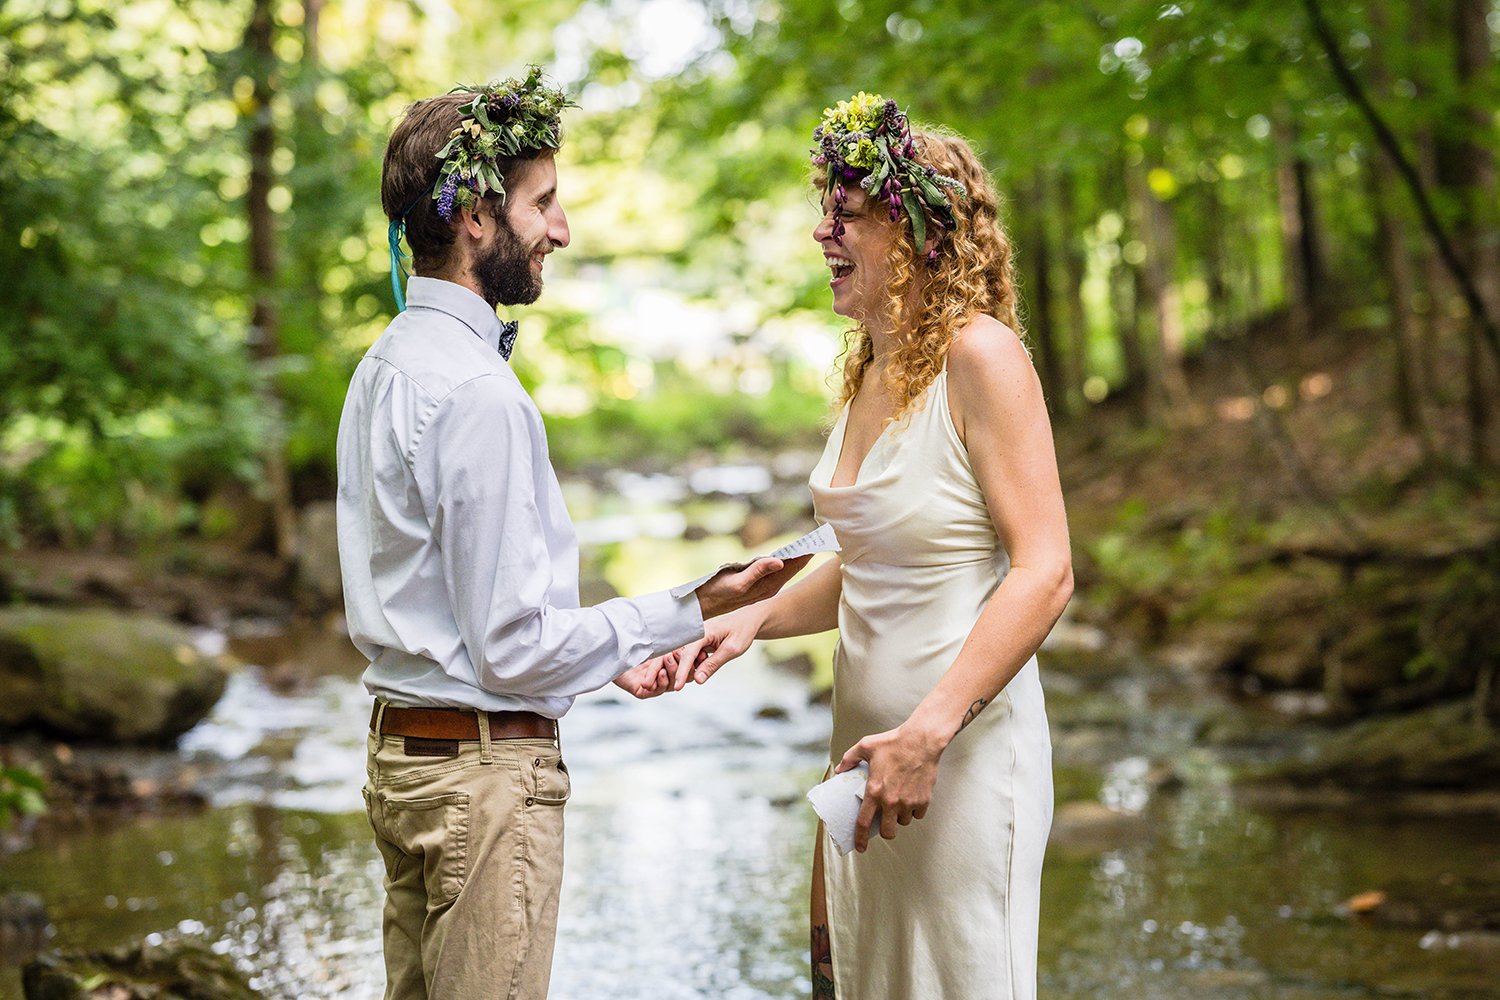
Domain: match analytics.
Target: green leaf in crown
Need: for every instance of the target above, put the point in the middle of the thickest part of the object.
(503, 120)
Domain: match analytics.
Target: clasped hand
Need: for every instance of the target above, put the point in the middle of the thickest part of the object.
(903, 761)
(736, 589)
(724, 638)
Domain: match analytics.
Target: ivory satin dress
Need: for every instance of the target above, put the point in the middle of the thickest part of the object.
(949, 908)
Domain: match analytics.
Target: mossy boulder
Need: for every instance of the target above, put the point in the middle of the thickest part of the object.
(102, 676)
(167, 971)
(1441, 747)
(318, 573)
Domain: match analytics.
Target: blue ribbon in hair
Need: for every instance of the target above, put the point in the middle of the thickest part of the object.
(394, 232)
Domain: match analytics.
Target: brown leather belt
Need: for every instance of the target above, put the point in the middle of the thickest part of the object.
(461, 724)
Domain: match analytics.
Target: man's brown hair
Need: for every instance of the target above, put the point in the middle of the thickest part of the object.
(411, 170)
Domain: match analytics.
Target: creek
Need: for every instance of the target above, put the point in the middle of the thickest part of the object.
(689, 838)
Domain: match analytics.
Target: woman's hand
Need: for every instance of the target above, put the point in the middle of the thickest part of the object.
(651, 678)
(903, 773)
(724, 638)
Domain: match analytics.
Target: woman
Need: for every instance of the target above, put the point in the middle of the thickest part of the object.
(940, 480)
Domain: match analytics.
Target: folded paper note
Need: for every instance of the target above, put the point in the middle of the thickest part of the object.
(821, 540)
(837, 802)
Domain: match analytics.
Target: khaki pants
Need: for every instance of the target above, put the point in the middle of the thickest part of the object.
(473, 852)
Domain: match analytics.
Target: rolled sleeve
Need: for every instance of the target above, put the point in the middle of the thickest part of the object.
(671, 621)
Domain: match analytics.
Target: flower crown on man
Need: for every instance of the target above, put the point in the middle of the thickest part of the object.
(518, 117)
(868, 139)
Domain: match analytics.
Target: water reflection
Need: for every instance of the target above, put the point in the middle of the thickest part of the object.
(688, 843)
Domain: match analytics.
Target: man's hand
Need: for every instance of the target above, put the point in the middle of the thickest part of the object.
(651, 678)
(736, 586)
(903, 772)
(724, 638)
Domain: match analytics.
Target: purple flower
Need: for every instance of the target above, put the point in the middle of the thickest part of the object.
(445, 197)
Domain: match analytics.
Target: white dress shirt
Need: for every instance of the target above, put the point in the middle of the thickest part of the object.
(460, 563)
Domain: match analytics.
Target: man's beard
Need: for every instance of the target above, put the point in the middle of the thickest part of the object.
(504, 271)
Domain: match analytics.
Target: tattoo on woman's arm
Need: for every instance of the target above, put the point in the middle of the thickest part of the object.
(972, 713)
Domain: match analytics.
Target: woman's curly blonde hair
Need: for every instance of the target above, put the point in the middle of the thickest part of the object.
(973, 274)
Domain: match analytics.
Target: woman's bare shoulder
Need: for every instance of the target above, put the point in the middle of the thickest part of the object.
(986, 354)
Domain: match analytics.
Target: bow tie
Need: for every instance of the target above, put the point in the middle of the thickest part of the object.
(508, 330)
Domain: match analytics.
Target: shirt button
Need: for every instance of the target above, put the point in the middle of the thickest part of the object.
(531, 802)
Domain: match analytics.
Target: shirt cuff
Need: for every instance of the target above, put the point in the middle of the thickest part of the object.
(671, 621)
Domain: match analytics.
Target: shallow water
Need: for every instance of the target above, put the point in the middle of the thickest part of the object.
(688, 843)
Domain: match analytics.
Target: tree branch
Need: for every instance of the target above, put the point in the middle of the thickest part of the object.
(1392, 147)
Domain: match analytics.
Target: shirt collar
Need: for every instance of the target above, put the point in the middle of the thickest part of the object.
(457, 301)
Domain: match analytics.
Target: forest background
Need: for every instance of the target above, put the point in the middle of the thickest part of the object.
(1258, 247)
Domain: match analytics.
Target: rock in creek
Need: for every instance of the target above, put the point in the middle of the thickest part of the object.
(170, 971)
(102, 676)
(1443, 747)
(24, 926)
(1093, 827)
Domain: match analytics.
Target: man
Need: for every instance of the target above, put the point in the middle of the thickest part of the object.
(461, 566)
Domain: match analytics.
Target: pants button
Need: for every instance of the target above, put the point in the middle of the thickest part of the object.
(531, 802)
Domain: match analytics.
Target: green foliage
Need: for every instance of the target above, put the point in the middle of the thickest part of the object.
(135, 385)
(679, 420)
(22, 793)
(120, 375)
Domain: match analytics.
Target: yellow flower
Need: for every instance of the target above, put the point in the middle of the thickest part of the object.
(475, 129)
(862, 155)
(861, 113)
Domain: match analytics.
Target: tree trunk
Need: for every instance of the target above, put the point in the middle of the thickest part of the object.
(1076, 363)
(1477, 77)
(1126, 298)
(1158, 231)
(1391, 243)
(1308, 247)
(1126, 287)
(1254, 214)
(265, 333)
(1041, 326)
(1296, 266)
(1478, 236)
(1390, 239)
(1438, 295)
(1216, 258)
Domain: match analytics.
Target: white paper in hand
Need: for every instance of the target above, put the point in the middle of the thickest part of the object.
(820, 540)
(837, 802)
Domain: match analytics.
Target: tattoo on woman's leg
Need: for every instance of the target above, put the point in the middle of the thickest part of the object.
(822, 963)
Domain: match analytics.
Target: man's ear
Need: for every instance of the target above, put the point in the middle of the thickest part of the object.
(470, 221)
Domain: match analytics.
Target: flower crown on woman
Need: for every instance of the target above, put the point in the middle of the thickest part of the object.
(869, 135)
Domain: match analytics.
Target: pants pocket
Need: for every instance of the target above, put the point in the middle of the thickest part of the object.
(548, 781)
(434, 831)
